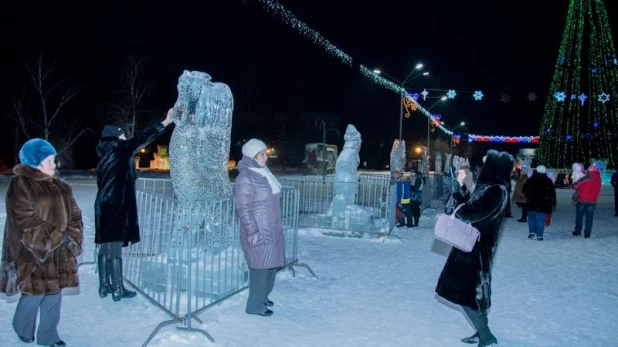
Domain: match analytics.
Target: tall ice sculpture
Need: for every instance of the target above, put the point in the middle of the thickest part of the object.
(200, 143)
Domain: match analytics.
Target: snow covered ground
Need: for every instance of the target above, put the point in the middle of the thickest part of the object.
(562, 291)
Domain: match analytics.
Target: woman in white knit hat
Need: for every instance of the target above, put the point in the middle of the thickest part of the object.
(258, 206)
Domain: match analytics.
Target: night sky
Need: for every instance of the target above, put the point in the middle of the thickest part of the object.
(498, 47)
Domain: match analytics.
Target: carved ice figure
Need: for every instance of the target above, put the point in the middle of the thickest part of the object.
(398, 157)
(438, 163)
(447, 163)
(200, 143)
(199, 151)
(346, 182)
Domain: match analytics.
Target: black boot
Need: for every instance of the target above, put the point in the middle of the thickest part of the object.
(105, 286)
(480, 322)
(118, 289)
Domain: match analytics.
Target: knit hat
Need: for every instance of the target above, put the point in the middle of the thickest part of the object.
(541, 169)
(111, 131)
(253, 147)
(34, 151)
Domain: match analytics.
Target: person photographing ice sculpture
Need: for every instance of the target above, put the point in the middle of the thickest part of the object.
(466, 277)
(43, 236)
(258, 204)
(115, 206)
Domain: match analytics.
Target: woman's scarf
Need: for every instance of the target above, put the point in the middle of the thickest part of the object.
(275, 186)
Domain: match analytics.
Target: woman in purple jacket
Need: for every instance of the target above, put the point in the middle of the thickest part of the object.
(258, 205)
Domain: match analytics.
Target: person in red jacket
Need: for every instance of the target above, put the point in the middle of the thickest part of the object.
(587, 191)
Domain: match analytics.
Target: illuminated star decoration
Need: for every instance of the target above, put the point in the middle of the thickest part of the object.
(505, 98)
(560, 96)
(603, 97)
(573, 96)
(532, 96)
(583, 98)
(424, 93)
(478, 95)
(451, 94)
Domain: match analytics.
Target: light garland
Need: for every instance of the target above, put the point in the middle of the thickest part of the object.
(583, 126)
(503, 139)
(287, 17)
(278, 10)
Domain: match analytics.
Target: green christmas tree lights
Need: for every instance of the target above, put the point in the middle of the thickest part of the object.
(580, 121)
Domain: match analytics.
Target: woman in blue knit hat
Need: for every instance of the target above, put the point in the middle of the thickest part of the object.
(42, 238)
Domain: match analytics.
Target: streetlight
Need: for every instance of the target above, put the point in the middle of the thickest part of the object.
(403, 91)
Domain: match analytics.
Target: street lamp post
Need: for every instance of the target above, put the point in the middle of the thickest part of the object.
(403, 91)
(324, 152)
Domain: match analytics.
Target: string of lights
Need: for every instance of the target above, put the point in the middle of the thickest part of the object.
(580, 115)
(287, 17)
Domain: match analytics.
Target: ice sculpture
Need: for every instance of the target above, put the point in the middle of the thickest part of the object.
(425, 162)
(398, 157)
(346, 182)
(447, 163)
(200, 143)
(344, 213)
(438, 163)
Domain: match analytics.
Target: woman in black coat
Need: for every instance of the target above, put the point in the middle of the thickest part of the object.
(115, 206)
(466, 277)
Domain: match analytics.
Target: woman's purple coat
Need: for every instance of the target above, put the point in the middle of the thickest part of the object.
(259, 210)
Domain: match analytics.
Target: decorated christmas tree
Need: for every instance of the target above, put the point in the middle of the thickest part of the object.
(581, 112)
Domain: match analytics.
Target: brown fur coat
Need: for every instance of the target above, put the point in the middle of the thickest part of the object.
(41, 211)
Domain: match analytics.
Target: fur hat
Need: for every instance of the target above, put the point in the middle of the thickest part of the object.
(253, 147)
(34, 151)
(541, 169)
(111, 131)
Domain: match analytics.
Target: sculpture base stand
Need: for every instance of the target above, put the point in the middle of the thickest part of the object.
(346, 220)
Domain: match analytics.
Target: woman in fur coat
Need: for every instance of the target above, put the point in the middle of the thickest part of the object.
(466, 277)
(258, 204)
(42, 238)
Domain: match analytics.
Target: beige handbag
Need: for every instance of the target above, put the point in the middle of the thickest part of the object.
(456, 232)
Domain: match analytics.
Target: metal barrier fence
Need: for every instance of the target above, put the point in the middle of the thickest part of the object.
(189, 256)
(373, 210)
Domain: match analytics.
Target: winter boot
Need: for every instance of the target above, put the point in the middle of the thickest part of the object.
(118, 289)
(480, 322)
(105, 286)
(472, 339)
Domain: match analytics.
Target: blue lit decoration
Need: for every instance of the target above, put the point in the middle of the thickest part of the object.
(603, 97)
(424, 93)
(594, 70)
(563, 58)
(569, 137)
(279, 11)
(560, 96)
(595, 124)
(583, 98)
(413, 96)
(451, 94)
(532, 96)
(573, 96)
